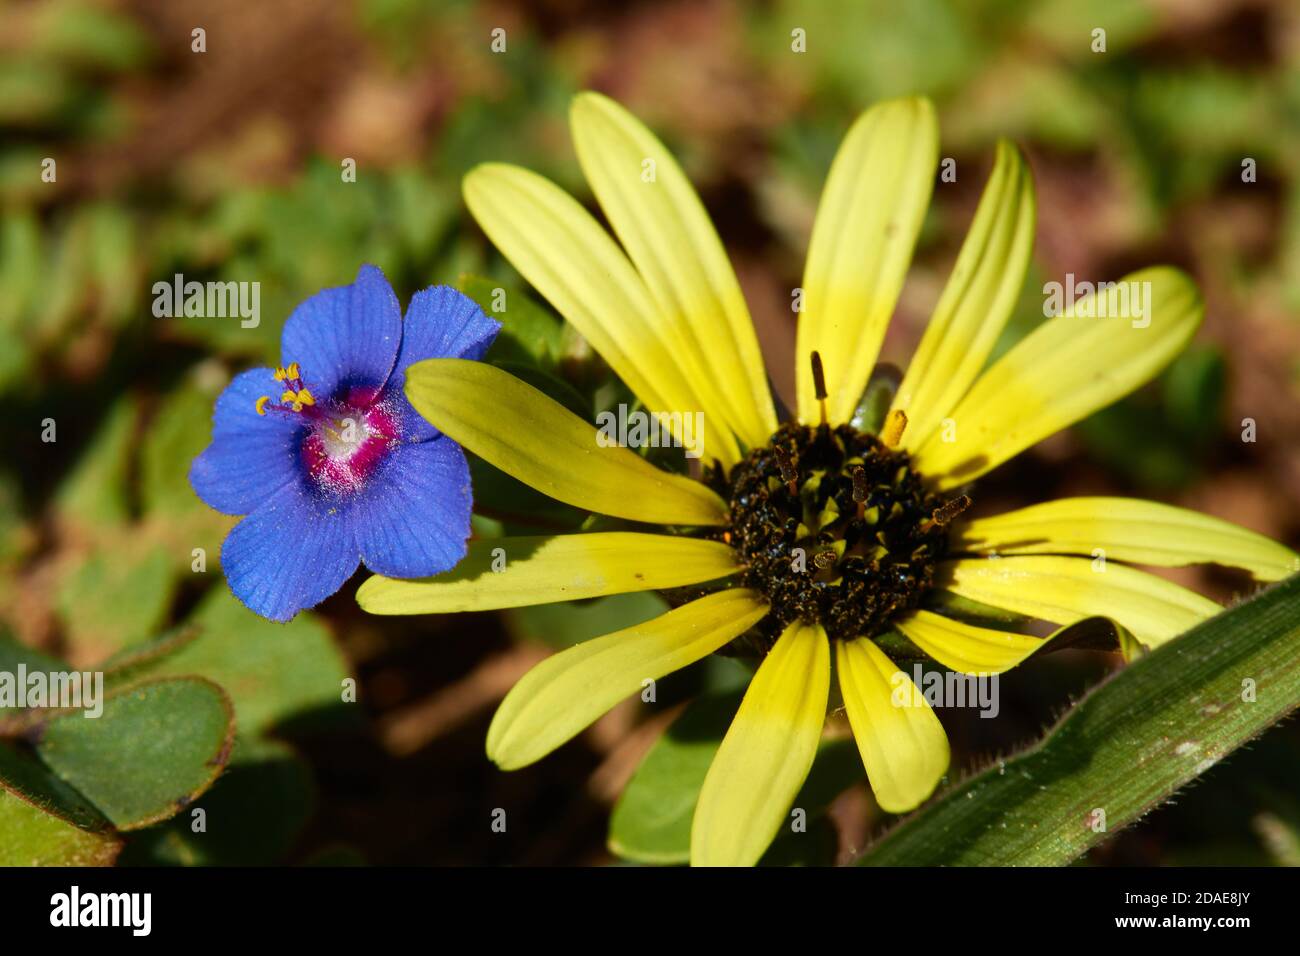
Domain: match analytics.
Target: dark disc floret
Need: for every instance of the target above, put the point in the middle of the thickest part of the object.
(833, 527)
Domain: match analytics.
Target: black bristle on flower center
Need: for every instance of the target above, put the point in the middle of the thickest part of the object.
(834, 527)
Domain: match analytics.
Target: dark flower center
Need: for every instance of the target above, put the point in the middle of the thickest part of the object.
(835, 528)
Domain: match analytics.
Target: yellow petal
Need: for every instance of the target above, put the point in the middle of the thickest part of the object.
(766, 754)
(1066, 369)
(1065, 590)
(977, 301)
(565, 693)
(574, 263)
(515, 572)
(1129, 529)
(662, 224)
(535, 439)
(965, 647)
(866, 226)
(902, 743)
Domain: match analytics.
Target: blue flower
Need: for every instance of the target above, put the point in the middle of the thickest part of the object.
(328, 460)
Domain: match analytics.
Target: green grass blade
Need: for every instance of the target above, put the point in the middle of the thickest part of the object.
(1124, 750)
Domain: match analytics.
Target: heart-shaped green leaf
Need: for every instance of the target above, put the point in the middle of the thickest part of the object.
(27, 779)
(35, 837)
(45, 822)
(155, 748)
(251, 817)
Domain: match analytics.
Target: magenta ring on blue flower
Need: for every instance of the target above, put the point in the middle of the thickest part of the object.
(326, 458)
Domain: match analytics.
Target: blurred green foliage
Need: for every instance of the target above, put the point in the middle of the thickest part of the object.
(1138, 151)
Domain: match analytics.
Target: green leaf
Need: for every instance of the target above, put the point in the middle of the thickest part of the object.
(18, 534)
(1159, 437)
(1237, 811)
(14, 653)
(178, 432)
(530, 334)
(251, 817)
(26, 778)
(1059, 24)
(95, 492)
(276, 674)
(1125, 749)
(651, 822)
(867, 51)
(21, 269)
(423, 207)
(157, 747)
(89, 36)
(873, 406)
(118, 595)
(131, 663)
(44, 822)
(1194, 390)
(111, 249)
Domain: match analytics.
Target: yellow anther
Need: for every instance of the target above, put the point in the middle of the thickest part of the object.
(895, 424)
(306, 397)
(261, 404)
(289, 395)
(280, 374)
(293, 370)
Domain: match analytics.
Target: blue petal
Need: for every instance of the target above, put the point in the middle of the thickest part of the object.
(345, 337)
(440, 323)
(251, 456)
(290, 554)
(412, 520)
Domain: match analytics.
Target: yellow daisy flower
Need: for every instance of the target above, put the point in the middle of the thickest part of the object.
(805, 540)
